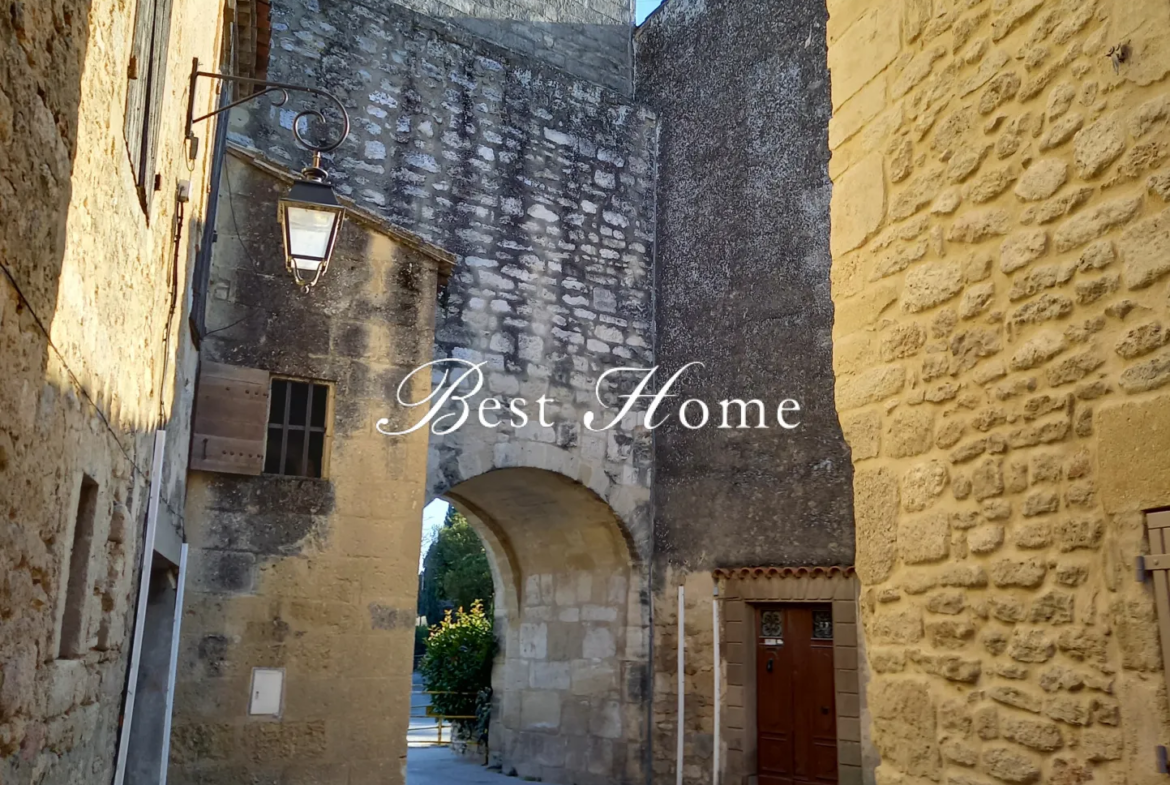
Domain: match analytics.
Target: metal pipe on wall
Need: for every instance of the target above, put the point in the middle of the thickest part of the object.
(716, 669)
(681, 686)
(172, 671)
(155, 493)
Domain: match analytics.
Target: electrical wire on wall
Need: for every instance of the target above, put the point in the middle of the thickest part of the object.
(244, 246)
(180, 215)
(26, 304)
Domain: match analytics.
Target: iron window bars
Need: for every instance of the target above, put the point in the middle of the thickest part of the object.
(297, 427)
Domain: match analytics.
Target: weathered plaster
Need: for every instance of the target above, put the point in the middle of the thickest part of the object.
(742, 285)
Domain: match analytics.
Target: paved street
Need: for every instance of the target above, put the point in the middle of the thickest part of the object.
(441, 766)
(423, 730)
(428, 764)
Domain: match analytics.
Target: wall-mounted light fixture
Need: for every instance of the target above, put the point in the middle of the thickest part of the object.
(309, 213)
(311, 217)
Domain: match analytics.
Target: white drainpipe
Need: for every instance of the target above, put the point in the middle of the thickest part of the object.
(717, 670)
(681, 687)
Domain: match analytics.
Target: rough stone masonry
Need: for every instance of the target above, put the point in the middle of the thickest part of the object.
(89, 369)
(590, 40)
(999, 237)
(544, 185)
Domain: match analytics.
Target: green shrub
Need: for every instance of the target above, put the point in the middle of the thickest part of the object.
(458, 666)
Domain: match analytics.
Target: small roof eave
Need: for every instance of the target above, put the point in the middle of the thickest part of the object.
(444, 260)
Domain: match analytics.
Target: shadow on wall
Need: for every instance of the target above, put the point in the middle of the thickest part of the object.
(73, 421)
(40, 94)
(79, 262)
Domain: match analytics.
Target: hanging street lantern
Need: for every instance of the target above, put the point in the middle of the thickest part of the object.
(310, 215)
(311, 218)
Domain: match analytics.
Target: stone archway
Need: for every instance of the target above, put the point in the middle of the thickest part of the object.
(570, 680)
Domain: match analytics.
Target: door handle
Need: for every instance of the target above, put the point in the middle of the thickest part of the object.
(769, 667)
(824, 709)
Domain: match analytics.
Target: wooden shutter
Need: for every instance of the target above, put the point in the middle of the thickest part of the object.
(1157, 566)
(231, 419)
(147, 71)
(138, 73)
(159, 49)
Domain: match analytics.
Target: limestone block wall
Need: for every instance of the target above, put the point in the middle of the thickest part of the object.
(999, 236)
(590, 40)
(540, 183)
(570, 683)
(314, 576)
(87, 372)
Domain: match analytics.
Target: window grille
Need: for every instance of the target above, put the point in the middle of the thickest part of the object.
(297, 419)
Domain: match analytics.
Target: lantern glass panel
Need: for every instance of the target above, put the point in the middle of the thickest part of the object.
(309, 234)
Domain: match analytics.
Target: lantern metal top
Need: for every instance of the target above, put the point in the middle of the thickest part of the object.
(313, 188)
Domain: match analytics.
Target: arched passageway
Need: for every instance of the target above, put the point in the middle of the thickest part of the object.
(571, 616)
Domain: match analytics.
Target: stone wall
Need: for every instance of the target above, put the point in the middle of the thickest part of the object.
(742, 285)
(315, 576)
(542, 185)
(590, 40)
(539, 183)
(84, 269)
(742, 280)
(570, 685)
(999, 270)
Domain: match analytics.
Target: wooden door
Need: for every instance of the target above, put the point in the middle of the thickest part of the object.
(796, 713)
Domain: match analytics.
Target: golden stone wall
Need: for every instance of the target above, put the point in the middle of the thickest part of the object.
(317, 577)
(90, 365)
(1001, 251)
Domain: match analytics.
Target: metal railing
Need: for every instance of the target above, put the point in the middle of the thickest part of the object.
(439, 718)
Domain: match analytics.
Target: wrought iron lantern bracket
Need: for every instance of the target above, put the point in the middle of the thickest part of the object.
(311, 232)
(281, 90)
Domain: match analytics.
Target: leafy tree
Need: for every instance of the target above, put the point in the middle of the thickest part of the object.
(458, 667)
(455, 570)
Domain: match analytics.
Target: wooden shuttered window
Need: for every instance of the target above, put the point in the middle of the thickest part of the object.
(231, 419)
(147, 72)
(1157, 566)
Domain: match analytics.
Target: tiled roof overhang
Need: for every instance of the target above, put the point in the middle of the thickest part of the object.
(743, 573)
